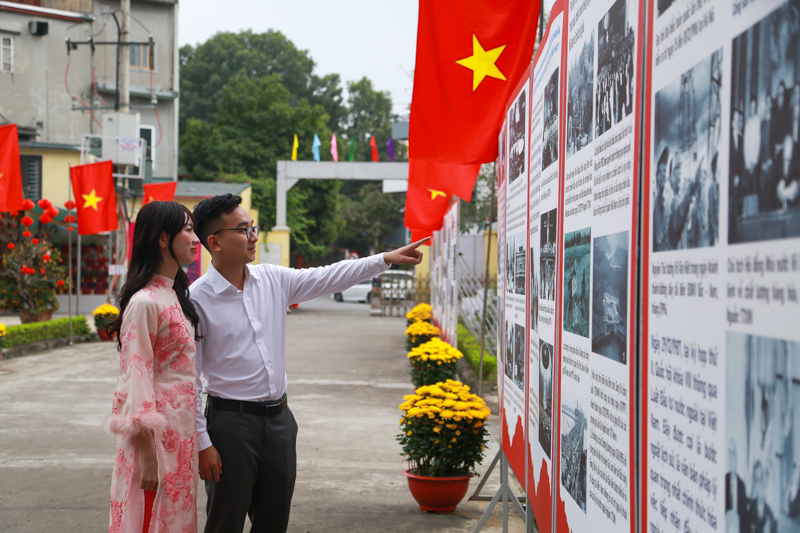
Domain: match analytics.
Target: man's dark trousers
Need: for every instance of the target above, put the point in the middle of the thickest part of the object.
(259, 467)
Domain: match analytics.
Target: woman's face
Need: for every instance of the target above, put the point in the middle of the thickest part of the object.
(185, 244)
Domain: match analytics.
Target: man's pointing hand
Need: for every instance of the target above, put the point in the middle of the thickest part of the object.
(406, 255)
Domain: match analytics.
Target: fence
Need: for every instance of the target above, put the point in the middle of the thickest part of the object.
(399, 291)
(470, 298)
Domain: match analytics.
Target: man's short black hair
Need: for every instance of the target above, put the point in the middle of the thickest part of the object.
(208, 213)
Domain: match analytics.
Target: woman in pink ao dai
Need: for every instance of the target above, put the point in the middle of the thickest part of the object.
(154, 481)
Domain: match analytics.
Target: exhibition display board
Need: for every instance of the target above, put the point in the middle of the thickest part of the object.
(721, 268)
(444, 258)
(543, 208)
(516, 276)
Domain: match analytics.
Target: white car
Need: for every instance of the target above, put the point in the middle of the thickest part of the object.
(356, 293)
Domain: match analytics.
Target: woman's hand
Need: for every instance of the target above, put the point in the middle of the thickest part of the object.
(148, 460)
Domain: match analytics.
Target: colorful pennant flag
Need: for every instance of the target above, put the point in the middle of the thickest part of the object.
(390, 150)
(374, 146)
(295, 146)
(159, 192)
(352, 149)
(315, 147)
(93, 185)
(425, 207)
(334, 149)
(10, 175)
(470, 56)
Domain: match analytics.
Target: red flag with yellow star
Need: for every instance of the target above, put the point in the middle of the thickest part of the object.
(10, 175)
(426, 206)
(470, 56)
(93, 185)
(159, 192)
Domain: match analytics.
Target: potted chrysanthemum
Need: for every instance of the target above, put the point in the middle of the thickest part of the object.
(432, 362)
(2, 336)
(103, 316)
(443, 438)
(420, 333)
(420, 313)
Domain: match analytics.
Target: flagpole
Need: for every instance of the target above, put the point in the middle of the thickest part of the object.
(69, 253)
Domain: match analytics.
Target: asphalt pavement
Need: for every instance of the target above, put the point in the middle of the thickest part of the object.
(347, 374)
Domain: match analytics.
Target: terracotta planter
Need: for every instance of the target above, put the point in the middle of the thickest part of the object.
(104, 336)
(437, 494)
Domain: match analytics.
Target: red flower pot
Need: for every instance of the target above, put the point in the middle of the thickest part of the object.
(104, 335)
(437, 494)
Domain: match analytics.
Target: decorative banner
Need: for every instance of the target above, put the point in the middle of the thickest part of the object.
(164, 192)
(516, 270)
(10, 175)
(93, 186)
(447, 254)
(721, 265)
(596, 472)
(544, 200)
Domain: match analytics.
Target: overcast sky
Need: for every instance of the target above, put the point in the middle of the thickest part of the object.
(354, 38)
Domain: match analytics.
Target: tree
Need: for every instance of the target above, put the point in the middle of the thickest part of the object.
(369, 218)
(254, 128)
(369, 113)
(206, 70)
(475, 214)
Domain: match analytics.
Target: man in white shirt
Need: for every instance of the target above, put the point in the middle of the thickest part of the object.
(247, 426)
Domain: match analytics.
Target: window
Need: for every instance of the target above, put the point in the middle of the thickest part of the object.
(148, 134)
(140, 56)
(31, 167)
(6, 54)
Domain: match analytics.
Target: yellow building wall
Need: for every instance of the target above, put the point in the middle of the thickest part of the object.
(55, 172)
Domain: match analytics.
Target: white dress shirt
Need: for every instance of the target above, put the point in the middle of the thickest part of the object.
(242, 352)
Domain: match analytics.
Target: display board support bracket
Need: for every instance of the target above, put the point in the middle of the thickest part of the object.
(504, 492)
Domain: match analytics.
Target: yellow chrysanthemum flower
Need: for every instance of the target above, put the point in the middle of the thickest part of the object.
(437, 429)
(106, 310)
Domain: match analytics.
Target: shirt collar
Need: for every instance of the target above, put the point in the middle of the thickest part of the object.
(218, 281)
(161, 281)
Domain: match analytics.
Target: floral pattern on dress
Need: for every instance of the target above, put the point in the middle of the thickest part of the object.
(155, 392)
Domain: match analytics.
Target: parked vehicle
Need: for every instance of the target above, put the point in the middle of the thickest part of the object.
(356, 293)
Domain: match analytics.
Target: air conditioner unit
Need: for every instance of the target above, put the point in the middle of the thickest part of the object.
(37, 27)
(121, 138)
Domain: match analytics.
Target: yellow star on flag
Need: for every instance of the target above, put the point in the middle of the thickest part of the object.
(91, 200)
(434, 194)
(151, 199)
(1, 175)
(481, 62)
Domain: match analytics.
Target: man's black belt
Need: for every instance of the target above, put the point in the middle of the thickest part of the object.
(248, 408)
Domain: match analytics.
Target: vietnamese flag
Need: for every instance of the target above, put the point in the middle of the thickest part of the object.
(159, 192)
(425, 207)
(419, 234)
(93, 184)
(458, 180)
(470, 56)
(10, 175)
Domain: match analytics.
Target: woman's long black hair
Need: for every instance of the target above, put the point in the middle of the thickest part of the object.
(153, 219)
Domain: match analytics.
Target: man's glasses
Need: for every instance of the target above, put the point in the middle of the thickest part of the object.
(250, 231)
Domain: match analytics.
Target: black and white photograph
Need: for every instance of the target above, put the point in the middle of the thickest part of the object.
(515, 263)
(762, 460)
(663, 5)
(764, 171)
(547, 255)
(574, 445)
(615, 64)
(519, 356)
(550, 134)
(686, 133)
(509, 368)
(546, 396)
(610, 297)
(517, 134)
(534, 295)
(577, 269)
(580, 97)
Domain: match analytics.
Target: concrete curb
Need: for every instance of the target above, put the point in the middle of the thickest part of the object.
(37, 347)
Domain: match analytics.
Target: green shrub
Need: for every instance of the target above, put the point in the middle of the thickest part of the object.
(471, 348)
(43, 331)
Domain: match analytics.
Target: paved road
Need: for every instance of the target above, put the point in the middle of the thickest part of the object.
(347, 374)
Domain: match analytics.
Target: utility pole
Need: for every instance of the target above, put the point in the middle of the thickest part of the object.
(125, 72)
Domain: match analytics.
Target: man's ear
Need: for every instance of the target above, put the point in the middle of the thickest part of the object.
(213, 244)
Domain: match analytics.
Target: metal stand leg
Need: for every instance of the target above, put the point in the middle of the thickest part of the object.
(504, 492)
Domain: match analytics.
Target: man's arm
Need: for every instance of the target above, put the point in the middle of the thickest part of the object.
(310, 283)
(210, 465)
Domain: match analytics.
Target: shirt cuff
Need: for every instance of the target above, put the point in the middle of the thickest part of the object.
(203, 440)
(383, 262)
